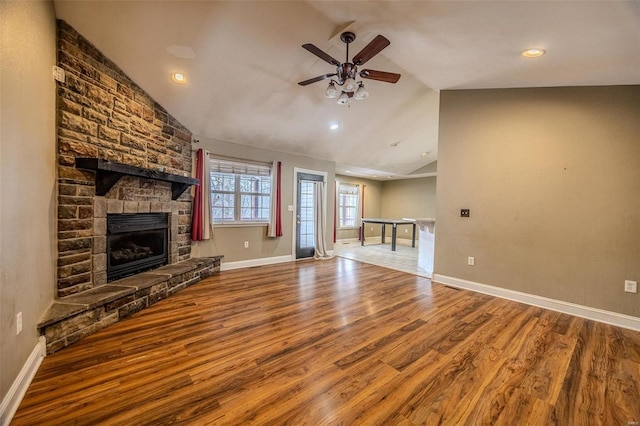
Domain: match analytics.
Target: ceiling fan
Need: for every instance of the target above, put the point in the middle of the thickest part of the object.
(346, 73)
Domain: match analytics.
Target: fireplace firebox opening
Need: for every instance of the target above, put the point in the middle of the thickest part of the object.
(136, 243)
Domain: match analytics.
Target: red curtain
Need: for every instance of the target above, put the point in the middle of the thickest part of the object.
(335, 212)
(279, 202)
(361, 229)
(196, 213)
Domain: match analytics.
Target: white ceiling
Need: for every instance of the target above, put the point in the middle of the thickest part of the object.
(243, 60)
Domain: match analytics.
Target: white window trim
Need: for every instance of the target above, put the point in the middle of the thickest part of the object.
(237, 193)
(358, 209)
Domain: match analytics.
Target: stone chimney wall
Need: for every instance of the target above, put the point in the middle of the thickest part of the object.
(102, 113)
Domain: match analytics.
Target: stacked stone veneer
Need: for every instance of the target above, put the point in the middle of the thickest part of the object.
(103, 114)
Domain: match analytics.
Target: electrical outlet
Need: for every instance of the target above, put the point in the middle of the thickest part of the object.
(471, 261)
(630, 286)
(372, 229)
(406, 231)
(18, 323)
(246, 244)
(464, 212)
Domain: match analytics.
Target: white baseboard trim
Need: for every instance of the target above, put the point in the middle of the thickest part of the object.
(595, 314)
(12, 399)
(347, 240)
(227, 266)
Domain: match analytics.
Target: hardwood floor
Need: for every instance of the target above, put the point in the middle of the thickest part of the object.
(339, 342)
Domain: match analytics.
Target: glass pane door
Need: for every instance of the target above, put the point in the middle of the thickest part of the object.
(305, 215)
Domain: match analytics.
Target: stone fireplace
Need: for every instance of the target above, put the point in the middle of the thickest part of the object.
(124, 209)
(104, 116)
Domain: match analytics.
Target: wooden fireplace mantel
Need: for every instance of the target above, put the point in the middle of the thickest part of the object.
(109, 172)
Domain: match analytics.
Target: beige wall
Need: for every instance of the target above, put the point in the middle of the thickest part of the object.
(27, 178)
(552, 178)
(372, 205)
(395, 199)
(229, 241)
(412, 198)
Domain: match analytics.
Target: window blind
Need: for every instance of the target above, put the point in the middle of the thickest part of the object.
(348, 189)
(219, 165)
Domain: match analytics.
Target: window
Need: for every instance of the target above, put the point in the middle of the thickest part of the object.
(348, 205)
(240, 192)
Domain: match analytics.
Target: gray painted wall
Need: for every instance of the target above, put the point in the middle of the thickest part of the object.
(229, 240)
(552, 178)
(412, 198)
(372, 205)
(27, 178)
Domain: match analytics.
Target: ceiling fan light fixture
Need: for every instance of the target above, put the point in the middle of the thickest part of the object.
(331, 91)
(361, 93)
(343, 99)
(346, 72)
(350, 85)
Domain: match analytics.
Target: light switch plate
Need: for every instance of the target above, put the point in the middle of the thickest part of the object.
(58, 74)
(630, 286)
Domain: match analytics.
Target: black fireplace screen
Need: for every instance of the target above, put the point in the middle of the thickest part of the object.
(136, 243)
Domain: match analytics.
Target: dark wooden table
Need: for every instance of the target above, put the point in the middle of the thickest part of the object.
(394, 223)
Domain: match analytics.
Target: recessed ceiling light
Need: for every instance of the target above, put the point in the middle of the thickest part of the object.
(334, 126)
(424, 154)
(347, 171)
(375, 176)
(533, 53)
(179, 78)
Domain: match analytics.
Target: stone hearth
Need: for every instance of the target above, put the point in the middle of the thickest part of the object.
(73, 317)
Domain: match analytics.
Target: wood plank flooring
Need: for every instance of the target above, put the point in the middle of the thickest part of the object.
(340, 342)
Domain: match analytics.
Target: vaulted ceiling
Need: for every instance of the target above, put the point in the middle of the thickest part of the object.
(243, 60)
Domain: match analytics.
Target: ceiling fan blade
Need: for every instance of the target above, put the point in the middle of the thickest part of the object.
(371, 49)
(320, 54)
(387, 77)
(318, 78)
